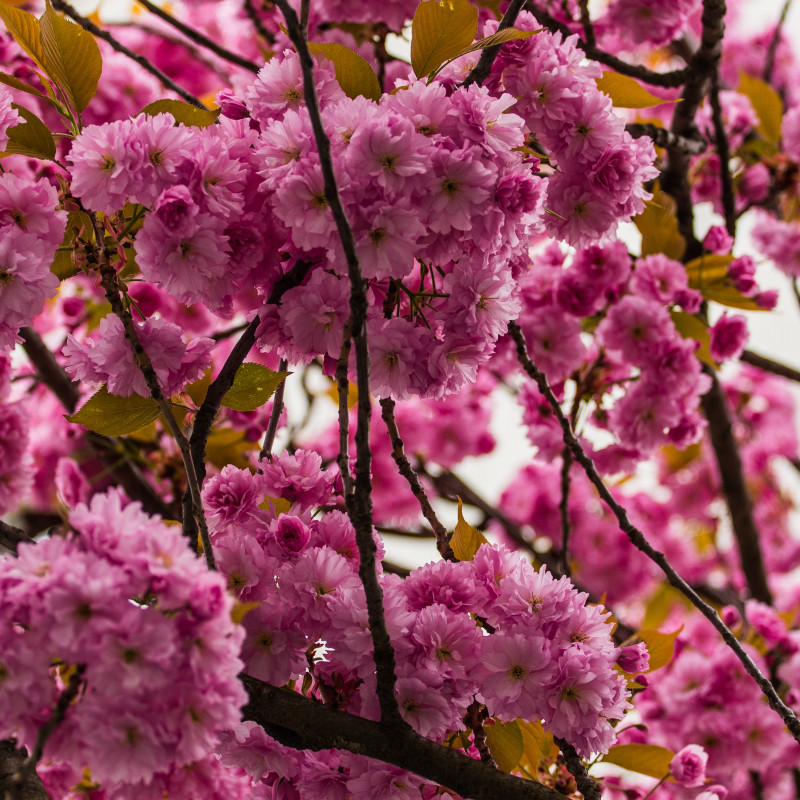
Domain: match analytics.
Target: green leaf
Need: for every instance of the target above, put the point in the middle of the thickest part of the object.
(709, 275)
(25, 29)
(111, 415)
(767, 104)
(16, 83)
(62, 266)
(533, 740)
(441, 29)
(625, 92)
(690, 326)
(72, 58)
(646, 759)
(505, 743)
(189, 115)
(252, 387)
(31, 138)
(660, 646)
(275, 505)
(228, 446)
(658, 224)
(498, 38)
(465, 540)
(354, 74)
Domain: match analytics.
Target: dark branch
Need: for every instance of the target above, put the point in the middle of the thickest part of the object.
(49, 370)
(12, 759)
(586, 784)
(407, 471)
(667, 139)
(302, 723)
(769, 64)
(198, 38)
(768, 365)
(359, 502)
(639, 540)
(735, 490)
(724, 153)
(10, 536)
(258, 23)
(563, 509)
(165, 80)
(275, 415)
(669, 79)
(480, 72)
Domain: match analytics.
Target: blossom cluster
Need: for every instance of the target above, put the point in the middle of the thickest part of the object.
(122, 614)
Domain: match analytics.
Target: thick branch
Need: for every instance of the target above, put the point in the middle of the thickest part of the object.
(49, 370)
(165, 80)
(735, 490)
(670, 79)
(10, 536)
(587, 786)
(198, 38)
(301, 723)
(480, 72)
(359, 502)
(407, 471)
(667, 139)
(639, 540)
(12, 759)
(704, 63)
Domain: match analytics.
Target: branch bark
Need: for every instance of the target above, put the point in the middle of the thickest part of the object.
(12, 759)
(482, 69)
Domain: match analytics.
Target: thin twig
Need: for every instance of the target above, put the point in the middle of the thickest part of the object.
(305, 7)
(165, 80)
(407, 471)
(769, 64)
(724, 154)
(258, 23)
(639, 540)
(563, 508)
(587, 786)
(475, 717)
(28, 768)
(275, 415)
(768, 365)
(359, 502)
(480, 72)
(734, 489)
(198, 38)
(108, 280)
(343, 397)
(669, 79)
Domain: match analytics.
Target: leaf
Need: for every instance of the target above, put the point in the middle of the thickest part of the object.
(16, 83)
(646, 759)
(505, 744)
(690, 326)
(465, 540)
(441, 29)
(533, 740)
(240, 609)
(660, 646)
(25, 29)
(72, 58)
(191, 116)
(709, 275)
(767, 104)
(276, 505)
(62, 266)
(353, 73)
(253, 385)
(497, 38)
(111, 415)
(31, 138)
(658, 225)
(228, 446)
(625, 92)
(666, 596)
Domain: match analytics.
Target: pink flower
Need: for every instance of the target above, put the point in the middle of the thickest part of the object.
(729, 336)
(8, 117)
(688, 766)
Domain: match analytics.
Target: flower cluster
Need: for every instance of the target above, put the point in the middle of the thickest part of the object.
(122, 612)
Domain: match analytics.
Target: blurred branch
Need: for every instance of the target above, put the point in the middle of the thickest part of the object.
(95, 30)
(198, 38)
(769, 64)
(11, 536)
(724, 154)
(662, 137)
(12, 759)
(480, 72)
(768, 365)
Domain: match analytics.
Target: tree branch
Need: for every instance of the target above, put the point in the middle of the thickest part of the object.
(587, 786)
(639, 540)
(563, 509)
(165, 80)
(108, 449)
(275, 416)
(667, 139)
(735, 490)
(302, 723)
(724, 154)
(258, 23)
(769, 64)
(407, 471)
(12, 759)
(198, 38)
(11, 536)
(359, 502)
(669, 79)
(768, 365)
(480, 72)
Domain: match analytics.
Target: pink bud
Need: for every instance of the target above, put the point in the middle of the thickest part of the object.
(688, 766)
